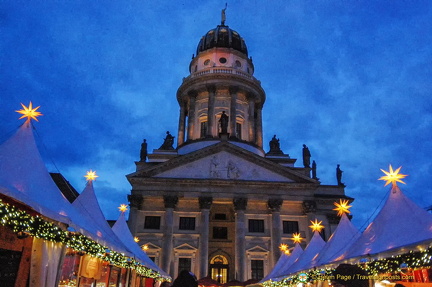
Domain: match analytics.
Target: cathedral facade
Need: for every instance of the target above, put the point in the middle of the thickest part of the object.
(217, 204)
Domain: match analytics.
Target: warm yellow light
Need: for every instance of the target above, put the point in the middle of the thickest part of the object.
(144, 247)
(91, 175)
(296, 238)
(316, 226)
(136, 239)
(392, 176)
(284, 248)
(342, 207)
(29, 112)
(123, 207)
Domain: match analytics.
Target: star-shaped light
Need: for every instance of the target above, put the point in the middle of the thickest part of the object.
(284, 248)
(91, 175)
(29, 112)
(144, 247)
(392, 176)
(296, 238)
(136, 239)
(123, 207)
(342, 207)
(316, 226)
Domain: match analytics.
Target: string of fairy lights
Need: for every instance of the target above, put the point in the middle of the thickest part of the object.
(24, 224)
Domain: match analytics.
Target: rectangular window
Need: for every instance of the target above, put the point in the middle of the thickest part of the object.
(203, 129)
(220, 216)
(290, 227)
(238, 130)
(187, 223)
(257, 268)
(256, 225)
(220, 233)
(184, 264)
(152, 222)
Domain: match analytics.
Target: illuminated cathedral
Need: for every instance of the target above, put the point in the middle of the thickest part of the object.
(220, 203)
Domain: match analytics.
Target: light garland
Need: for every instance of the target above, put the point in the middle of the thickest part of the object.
(394, 264)
(25, 225)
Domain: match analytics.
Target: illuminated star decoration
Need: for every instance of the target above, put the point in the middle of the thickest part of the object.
(123, 208)
(144, 247)
(29, 112)
(392, 176)
(284, 248)
(316, 226)
(342, 207)
(136, 239)
(91, 175)
(296, 238)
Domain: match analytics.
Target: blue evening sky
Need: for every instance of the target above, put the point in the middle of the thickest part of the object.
(351, 79)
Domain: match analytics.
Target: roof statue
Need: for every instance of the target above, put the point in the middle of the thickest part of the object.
(223, 16)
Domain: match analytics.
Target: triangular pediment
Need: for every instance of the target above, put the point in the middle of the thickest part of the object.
(223, 161)
(257, 249)
(185, 247)
(151, 246)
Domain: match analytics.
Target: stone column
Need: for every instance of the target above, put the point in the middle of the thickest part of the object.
(258, 124)
(135, 203)
(240, 238)
(170, 202)
(181, 128)
(211, 112)
(274, 206)
(233, 108)
(191, 116)
(251, 120)
(205, 204)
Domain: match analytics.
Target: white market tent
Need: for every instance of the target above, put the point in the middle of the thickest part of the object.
(315, 245)
(341, 239)
(122, 230)
(400, 226)
(399, 223)
(24, 177)
(87, 205)
(284, 263)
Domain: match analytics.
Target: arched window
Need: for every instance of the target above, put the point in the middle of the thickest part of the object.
(219, 268)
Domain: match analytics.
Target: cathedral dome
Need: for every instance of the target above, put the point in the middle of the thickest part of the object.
(222, 37)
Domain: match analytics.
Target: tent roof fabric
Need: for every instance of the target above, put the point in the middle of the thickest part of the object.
(311, 251)
(87, 205)
(400, 222)
(284, 263)
(341, 239)
(24, 177)
(122, 230)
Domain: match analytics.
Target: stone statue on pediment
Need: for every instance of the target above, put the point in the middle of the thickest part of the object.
(168, 142)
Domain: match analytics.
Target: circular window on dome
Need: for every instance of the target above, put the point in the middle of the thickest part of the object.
(222, 60)
(206, 62)
(238, 64)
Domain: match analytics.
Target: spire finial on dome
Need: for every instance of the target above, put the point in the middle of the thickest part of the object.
(224, 15)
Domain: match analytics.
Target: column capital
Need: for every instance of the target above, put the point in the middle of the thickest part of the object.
(170, 201)
(309, 206)
(274, 204)
(211, 88)
(205, 202)
(240, 203)
(192, 94)
(135, 201)
(233, 89)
